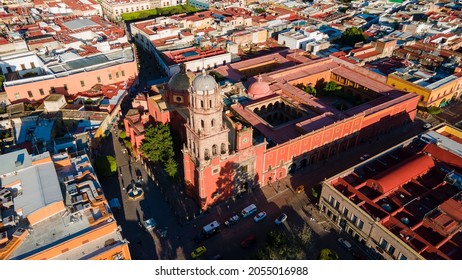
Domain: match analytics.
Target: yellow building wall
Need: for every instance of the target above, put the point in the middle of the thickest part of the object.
(450, 130)
(403, 85)
(428, 97)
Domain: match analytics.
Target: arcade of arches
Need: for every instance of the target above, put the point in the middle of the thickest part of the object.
(277, 111)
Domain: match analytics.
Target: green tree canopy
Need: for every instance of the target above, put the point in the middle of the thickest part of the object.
(157, 145)
(287, 246)
(171, 167)
(352, 35)
(106, 165)
(2, 79)
(122, 135)
(434, 110)
(328, 254)
(331, 87)
(311, 90)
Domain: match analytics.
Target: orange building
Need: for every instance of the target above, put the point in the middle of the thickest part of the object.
(54, 208)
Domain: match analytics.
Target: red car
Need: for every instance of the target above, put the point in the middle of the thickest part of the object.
(248, 242)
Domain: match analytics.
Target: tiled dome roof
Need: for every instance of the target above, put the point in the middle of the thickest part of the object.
(204, 82)
(182, 80)
(259, 89)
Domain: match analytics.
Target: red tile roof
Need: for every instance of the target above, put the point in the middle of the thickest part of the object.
(404, 173)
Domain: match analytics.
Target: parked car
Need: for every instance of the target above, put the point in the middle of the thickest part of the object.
(281, 219)
(426, 125)
(199, 251)
(231, 221)
(260, 216)
(365, 156)
(249, 241)
(345, 244)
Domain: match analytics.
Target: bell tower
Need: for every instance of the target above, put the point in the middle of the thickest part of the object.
(207, 136)
(206, 139)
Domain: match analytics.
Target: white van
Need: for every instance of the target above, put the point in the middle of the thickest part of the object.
(211, 229)
(249, 210)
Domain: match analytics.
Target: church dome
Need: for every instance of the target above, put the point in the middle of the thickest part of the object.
(259, 89)
(204, 82)
(182, 80)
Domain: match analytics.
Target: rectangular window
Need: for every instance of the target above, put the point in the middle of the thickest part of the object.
(65, 86)
(391, 250)
(98, 79)
(123, 73)
(41, 91)
(337, 205)
(30, 94)
(353, 218)
(345, 212)
(110, 76)
(360, 224)
(117, 75)
(331, 200)
(23, 67)
(52, 90)
(384, 244)
(82, 83)
(402, 257)
(269, 167)
(32, 65)
(17, 96)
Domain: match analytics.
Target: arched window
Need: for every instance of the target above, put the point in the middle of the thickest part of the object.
(210, 103)
(202, 123)
(213, 122)
(202, 104)
(207, 154)
(214, 149)
(223, 148)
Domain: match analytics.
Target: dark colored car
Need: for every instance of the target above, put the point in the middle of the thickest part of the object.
(231, 221)
(248, 242)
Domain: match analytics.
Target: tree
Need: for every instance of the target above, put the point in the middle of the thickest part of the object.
(106, 165)
(328, 254)
(331, 87)
(157, 145)
(171, 167)
(2, 79)
(122, 135)
(433, 110)
(287, 246)
(311, 90)
(351, 36)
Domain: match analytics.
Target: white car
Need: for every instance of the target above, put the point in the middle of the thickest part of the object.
(427, 126)
(260, 216)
